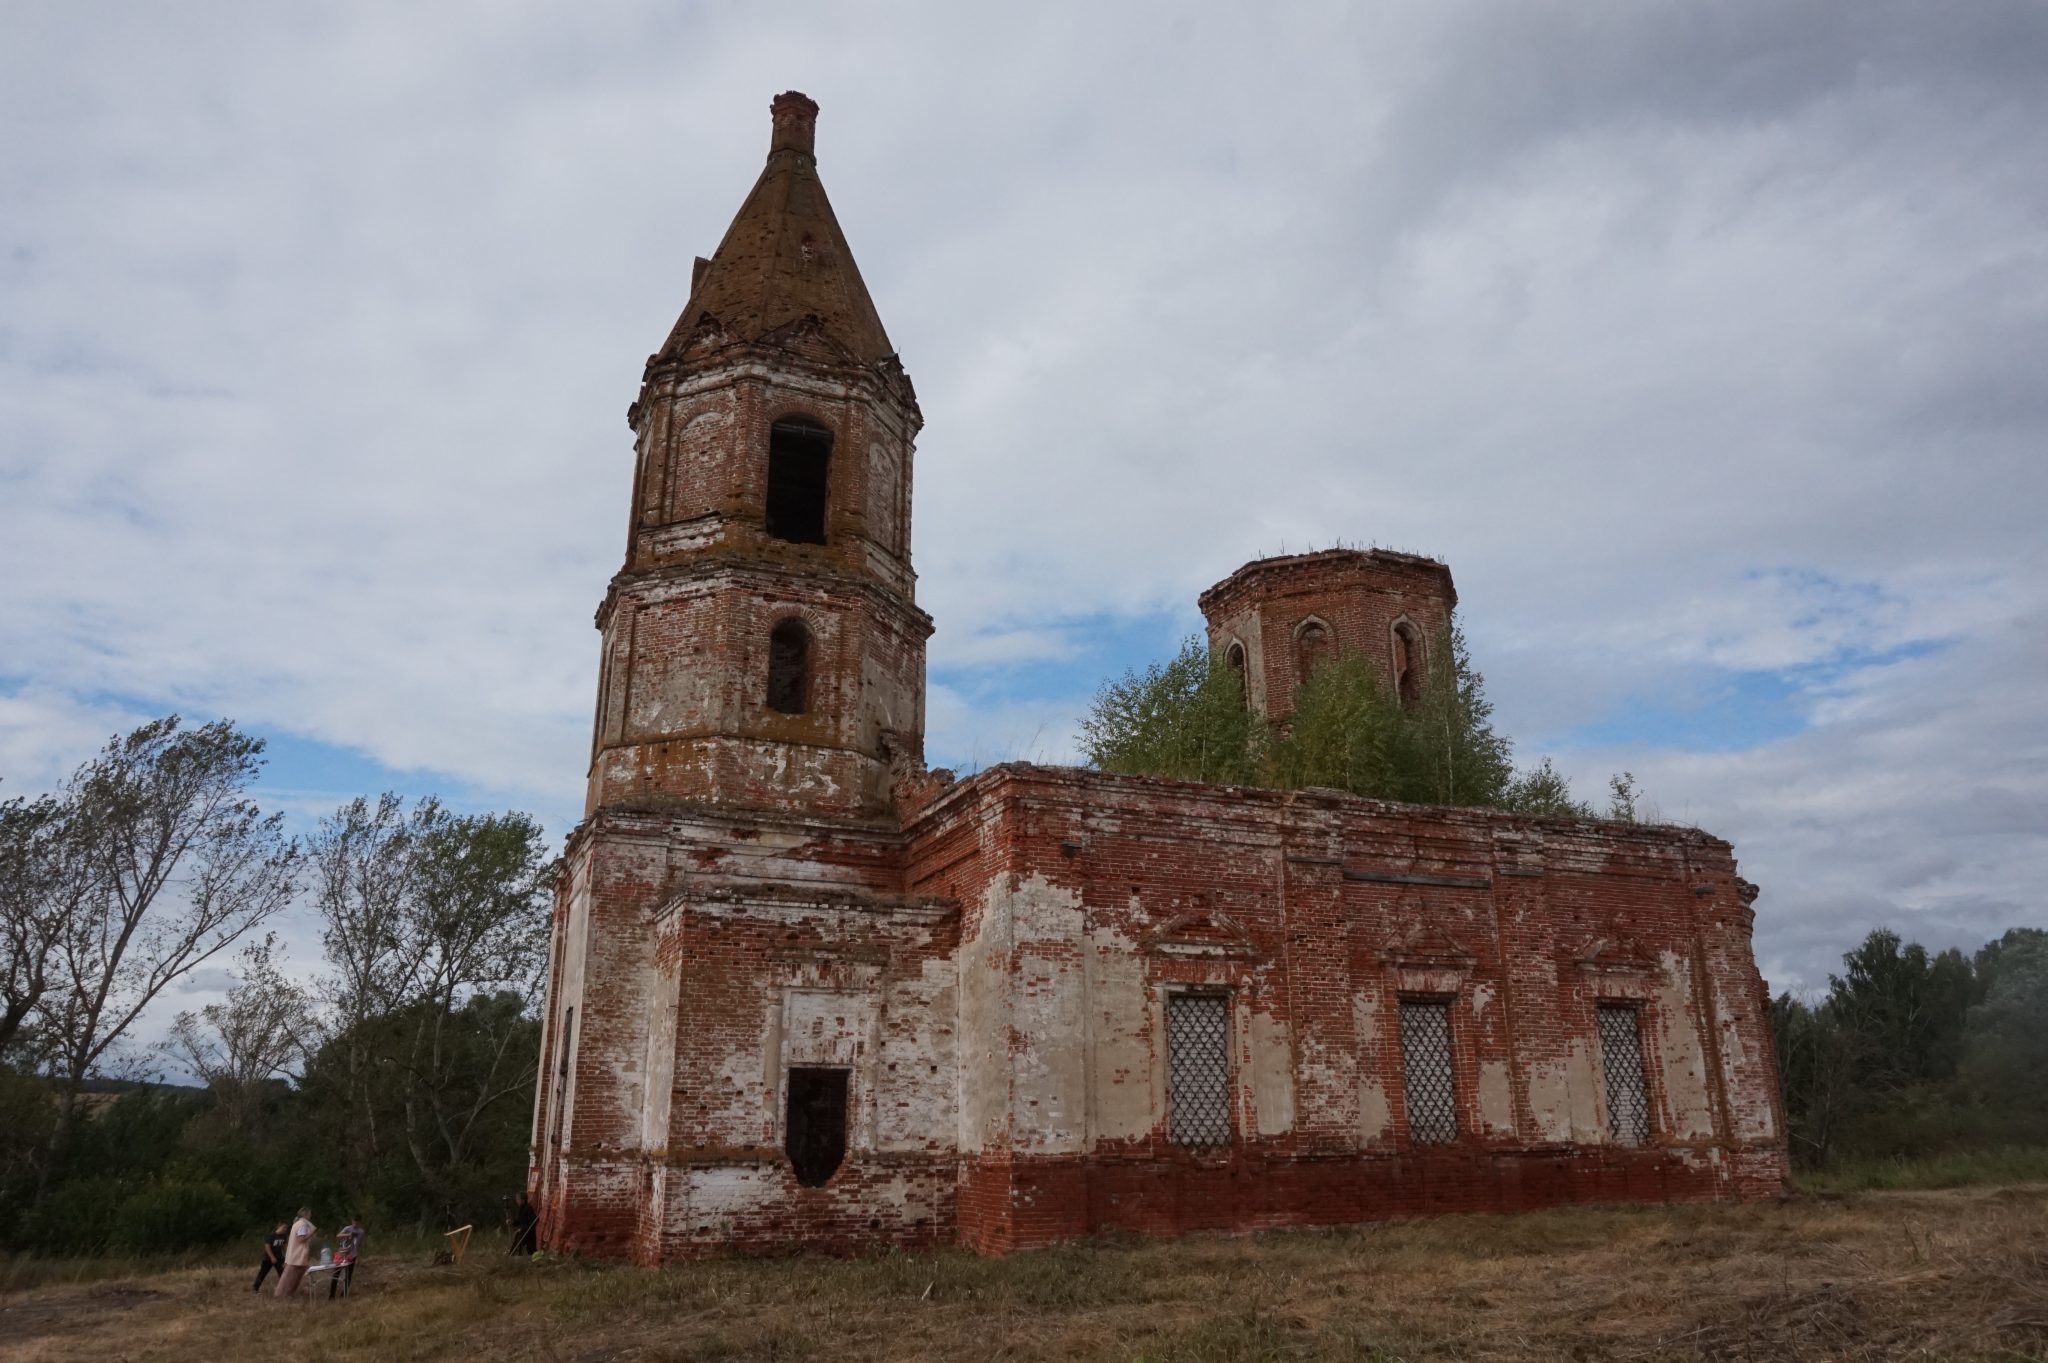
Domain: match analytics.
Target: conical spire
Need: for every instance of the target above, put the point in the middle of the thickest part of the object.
(784, 257)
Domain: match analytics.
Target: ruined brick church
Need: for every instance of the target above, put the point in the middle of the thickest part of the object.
(804, 993)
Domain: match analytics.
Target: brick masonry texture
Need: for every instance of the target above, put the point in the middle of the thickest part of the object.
(989, 960)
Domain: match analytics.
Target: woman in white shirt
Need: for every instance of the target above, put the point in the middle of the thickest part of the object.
(298, 1252)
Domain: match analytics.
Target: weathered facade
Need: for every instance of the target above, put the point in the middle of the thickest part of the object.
(804, 993)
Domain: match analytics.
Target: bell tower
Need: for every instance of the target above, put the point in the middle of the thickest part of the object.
(762, 645)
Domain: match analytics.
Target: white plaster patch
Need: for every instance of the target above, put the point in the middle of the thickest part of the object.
(984, 1007)
(1685, 1064)
(914, 1079)
(1327, 1084)
(1550, 1100)
(1123, 1105)
(1272, 1075)
(1048, 1058)
(1375, 1116)
(1496, 1098)
(1582, 1078)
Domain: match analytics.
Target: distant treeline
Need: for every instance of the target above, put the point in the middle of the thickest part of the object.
(399, 1085)
(1908, 1055)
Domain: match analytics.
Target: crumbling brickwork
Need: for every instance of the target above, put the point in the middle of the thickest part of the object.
(805, 994)
(1272, 618)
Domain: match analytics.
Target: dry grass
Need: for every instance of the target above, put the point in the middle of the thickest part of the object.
(1923, 1275)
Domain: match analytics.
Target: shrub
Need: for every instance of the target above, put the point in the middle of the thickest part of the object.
(175, 1215)
(77, 1218)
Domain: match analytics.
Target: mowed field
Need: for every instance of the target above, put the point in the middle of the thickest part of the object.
(1959, 1274)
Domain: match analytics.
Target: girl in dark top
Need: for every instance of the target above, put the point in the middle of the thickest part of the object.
(273, 1257)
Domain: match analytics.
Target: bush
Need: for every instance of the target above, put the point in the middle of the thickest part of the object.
(1186, 719)
(176, 1215)
(78, 1218)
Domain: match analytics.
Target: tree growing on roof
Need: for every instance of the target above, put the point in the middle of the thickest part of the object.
(1186, 719)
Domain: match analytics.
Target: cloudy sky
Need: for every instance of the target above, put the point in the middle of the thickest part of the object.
(1707, 343)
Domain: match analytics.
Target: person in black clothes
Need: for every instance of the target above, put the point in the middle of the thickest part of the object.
(273, 1257)
(525, 1220)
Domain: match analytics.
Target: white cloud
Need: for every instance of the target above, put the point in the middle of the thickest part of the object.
(1702, 343)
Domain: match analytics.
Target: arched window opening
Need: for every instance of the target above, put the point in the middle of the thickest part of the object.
(1407, 664)
(799, 459)
(1234, 655)
(789, 668)
(1311, 648)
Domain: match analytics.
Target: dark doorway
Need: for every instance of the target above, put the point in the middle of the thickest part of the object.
(799, 459)
(814, 1136)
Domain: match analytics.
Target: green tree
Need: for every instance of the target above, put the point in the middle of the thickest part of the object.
(1347, 733)
(182, 864)
(47, 885)
(1450, 752)
(259, 1033)
(1813, 1054)
(2005, 1055)
(1905, 1014)
(1542, 789)
(1622, 796)
(426, 913)
(1185, 718)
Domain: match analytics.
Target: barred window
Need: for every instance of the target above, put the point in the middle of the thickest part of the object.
(1621, 1062)
(1426, 1071)
(1198, 1069)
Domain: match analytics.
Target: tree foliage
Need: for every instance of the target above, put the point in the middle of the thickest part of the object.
(1182, 718)
(151, 860)
(45, 881)
(262, 1031)
(403, 1083)
(423, 912)
(1912, 1053)
(1187, 719)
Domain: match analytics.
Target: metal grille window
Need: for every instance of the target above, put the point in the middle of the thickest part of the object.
(1426, 1071)
(1198, 1069)
(1621, 1062)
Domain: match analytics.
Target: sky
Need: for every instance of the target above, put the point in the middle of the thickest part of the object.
(1708, 344)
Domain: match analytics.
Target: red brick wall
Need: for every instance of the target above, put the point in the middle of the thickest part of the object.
(1318, 913)
(682, 712)
(1358, 595)
(1007, 959)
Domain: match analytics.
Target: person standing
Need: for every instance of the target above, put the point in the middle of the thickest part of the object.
(298, 1253)
(525, 1220)
(273, 1256)
(348, 1247)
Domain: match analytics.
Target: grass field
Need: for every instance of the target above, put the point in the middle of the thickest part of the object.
(1958, 1274)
